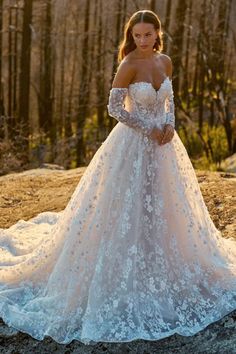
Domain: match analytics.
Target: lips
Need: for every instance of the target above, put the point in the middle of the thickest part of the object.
(143, 46)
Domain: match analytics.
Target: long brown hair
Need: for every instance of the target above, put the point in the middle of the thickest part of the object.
(127, 44)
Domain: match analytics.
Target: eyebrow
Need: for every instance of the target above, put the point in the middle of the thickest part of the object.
(145, 33)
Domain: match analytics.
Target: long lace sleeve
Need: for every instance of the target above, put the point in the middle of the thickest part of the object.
(170, 109)
(116, 110)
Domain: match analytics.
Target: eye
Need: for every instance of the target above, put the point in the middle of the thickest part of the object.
(147, 34)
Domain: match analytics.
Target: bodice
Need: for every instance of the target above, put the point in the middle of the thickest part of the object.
(145, 100)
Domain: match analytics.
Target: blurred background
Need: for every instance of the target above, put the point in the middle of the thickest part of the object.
(57, 63)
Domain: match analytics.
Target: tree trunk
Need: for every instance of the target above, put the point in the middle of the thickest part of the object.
(100, 84)
(2, 106)
(83, 91)
(46, 81)
(112, 123)
(24, 82)
(167, 26)
(176, 51)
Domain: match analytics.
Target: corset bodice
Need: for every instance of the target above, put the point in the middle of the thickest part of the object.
(144, 99)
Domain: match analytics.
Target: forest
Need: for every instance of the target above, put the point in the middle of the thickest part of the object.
(57, 63)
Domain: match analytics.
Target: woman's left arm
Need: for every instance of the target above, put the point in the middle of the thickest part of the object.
(169, 127)
(170, 108)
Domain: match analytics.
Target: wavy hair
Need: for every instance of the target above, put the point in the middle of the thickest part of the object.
(127, 44)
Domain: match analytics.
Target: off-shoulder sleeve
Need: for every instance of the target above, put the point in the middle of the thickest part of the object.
(170, 108)
(116, 110)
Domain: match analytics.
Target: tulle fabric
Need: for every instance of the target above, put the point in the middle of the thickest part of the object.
(133, 255)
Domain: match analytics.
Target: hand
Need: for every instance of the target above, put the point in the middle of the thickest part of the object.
(168, 133)
(157, 134)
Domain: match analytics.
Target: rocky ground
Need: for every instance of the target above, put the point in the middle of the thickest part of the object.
(24, 195)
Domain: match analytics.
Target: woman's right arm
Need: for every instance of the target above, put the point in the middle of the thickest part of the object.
(117, 95)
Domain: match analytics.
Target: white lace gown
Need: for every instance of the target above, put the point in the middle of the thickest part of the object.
(133, 255)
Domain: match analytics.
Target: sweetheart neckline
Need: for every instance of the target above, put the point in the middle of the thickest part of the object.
(149, 83)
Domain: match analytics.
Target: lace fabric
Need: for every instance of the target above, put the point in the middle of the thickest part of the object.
(140, 118)
(170, 108)
(116, 110)
(133, 255)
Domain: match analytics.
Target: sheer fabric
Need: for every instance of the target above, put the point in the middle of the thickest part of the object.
(132, 119)
(133, 255)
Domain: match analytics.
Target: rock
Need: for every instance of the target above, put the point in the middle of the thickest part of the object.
(229, 164)
(52, 166)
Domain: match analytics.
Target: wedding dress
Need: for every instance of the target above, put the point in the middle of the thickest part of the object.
(134, 255)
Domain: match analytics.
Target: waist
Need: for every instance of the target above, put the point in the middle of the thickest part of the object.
(159, 117)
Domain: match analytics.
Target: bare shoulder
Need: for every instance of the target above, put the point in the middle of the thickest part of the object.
(167, 63)
(125, 73)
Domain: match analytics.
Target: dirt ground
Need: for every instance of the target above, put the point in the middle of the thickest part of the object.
(24, 195)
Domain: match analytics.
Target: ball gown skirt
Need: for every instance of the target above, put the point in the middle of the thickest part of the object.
(134, 254)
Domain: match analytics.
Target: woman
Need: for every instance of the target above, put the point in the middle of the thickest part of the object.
(135, 253)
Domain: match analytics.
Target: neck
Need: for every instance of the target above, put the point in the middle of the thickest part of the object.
(144, 54)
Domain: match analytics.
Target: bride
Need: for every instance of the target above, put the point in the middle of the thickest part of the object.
(135, 254)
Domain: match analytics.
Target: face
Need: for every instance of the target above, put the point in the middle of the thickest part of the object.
(144, 35)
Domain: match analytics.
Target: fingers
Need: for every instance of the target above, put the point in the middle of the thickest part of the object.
(164, 136)
(168, 135)
(158, 135)
(160, 138)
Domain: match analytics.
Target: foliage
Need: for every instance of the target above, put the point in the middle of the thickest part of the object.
(216, 141)
(10, 158)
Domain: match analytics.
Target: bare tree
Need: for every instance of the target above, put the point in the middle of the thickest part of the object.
(83, 91)
(24, 90)
(46, 79)
(2, 105)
